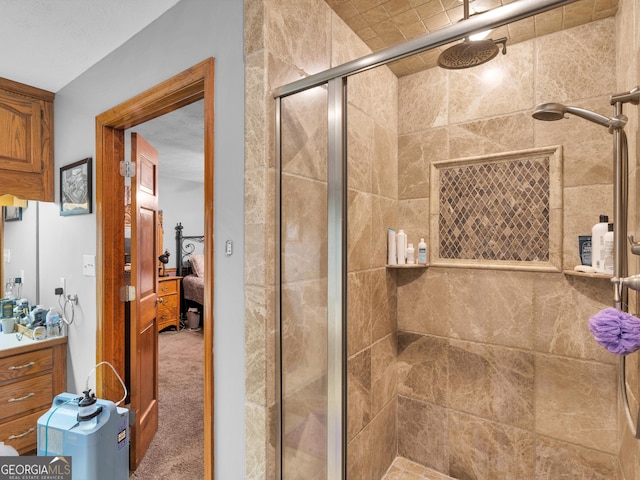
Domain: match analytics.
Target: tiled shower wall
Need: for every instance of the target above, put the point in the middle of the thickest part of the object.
(501, 363)
(542, 397)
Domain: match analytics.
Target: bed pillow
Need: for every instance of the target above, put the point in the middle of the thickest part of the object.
(197, 264)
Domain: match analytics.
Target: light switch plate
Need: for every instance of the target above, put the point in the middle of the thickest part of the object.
(89, 265)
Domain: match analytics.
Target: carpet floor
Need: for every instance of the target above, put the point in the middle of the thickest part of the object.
(176, 451)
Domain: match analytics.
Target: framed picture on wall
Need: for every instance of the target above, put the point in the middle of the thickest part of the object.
(75, 188)
(12, 214)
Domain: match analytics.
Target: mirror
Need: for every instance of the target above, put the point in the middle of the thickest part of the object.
(20, 251)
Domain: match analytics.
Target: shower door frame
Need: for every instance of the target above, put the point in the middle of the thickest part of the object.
(335, 79)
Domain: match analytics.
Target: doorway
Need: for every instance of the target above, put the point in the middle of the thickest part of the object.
(191, 85)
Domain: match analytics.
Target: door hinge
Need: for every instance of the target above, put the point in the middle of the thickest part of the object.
(128, 169)
(127, 293)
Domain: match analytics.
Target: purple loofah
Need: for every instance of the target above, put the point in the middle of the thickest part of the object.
(617, 331)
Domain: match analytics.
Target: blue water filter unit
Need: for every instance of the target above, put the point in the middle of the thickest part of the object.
(93, 432)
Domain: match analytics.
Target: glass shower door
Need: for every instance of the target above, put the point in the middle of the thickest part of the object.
(303, 285)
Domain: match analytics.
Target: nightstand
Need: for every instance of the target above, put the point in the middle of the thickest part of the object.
(168, 302)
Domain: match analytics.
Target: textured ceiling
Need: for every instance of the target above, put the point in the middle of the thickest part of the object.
(384, 23)
(48, 43)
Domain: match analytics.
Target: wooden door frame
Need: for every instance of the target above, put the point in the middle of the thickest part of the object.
(189, 86)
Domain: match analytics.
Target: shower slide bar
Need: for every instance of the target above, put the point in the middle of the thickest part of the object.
(621, 283)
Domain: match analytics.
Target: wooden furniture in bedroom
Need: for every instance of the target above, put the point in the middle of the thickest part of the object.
(26, 141)
(168, 302)
(30, 376)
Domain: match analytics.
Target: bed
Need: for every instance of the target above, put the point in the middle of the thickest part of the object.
(190, 266)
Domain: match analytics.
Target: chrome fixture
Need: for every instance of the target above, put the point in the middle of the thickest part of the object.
(549, 112)
(471, 52)
(621, 283)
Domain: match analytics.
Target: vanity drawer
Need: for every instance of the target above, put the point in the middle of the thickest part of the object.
(20, 397)
(18, 366)
(22, 433)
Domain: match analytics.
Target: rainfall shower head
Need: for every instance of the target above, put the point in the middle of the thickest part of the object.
(556, 111)
(471, 53)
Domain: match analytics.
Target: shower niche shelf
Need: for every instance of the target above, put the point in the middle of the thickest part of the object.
(405, 267)
(586, 275)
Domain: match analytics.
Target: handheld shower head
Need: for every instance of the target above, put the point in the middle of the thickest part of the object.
(556, 111)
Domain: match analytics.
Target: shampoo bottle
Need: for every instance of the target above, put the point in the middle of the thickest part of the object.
(411, 258)
(608, 251)
(401, 243)
(422, 252)
(597, 243)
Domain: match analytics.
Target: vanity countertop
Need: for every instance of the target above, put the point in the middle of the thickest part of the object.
(10, 345)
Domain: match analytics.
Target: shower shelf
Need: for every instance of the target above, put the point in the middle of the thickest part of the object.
(402, 267)
(587, 275)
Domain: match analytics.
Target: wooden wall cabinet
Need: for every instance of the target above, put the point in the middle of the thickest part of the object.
(26, 141)
(30, 377)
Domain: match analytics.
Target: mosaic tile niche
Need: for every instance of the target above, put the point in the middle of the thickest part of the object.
(498, 211)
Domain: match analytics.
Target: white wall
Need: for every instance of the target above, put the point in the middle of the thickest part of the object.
(187, 34)
(180, 201)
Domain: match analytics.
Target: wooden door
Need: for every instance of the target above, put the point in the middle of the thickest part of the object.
(143, 350)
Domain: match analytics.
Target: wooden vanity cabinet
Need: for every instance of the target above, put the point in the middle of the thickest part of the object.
(30, 377)
(26, 141)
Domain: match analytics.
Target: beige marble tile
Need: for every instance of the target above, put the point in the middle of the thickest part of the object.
(505, 83)
(255, 112)
(304, 335)
(502, 310)
(360, 157)
(424, 301)
(359, 456)
(385, 162)
(259, 188)
(423, 101)
(304, 134)
(304, 229)
(414, 220)
(586, 147)
(492, 382)
(358, 392)
(559, 460)
(383, 440)
(253, 22)
(576, 63)
(576, 401)
(384, 214)
(375, 92)
(345, 44)
(255, 343)
(359, 231)
(403, 469)
(358, 312)
(582, 207)
(416, 151)
(423, 367)
(384, 303)
(384, 376)
(255, 251)
(506, 452)
(562, 307)
(506, 133)
(256, 435)
(417, 422)
(301, 35)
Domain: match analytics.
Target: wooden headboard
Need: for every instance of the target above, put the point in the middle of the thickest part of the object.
(185, 246)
